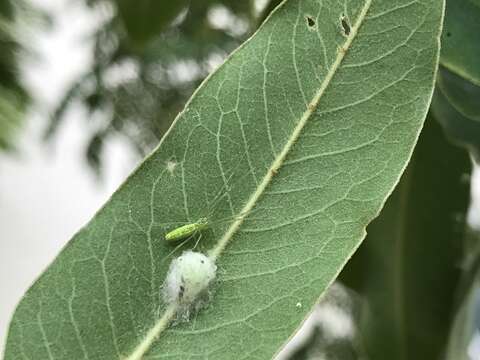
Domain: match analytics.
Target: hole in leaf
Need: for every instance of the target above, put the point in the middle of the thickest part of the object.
(345, 25)
(310, 21)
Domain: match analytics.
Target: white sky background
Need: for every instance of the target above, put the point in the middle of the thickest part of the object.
(48, 192)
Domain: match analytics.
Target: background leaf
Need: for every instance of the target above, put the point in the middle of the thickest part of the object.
(456, 106)
(466, 322)
(452, 108)
(461, 93)
(314, 128)
(460, 45)
(144, 19)
(455, 103)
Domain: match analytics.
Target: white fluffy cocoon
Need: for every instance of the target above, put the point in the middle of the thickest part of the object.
(188, 278)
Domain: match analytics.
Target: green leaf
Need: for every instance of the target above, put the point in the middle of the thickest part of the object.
(460, 45)
(145, 19)
(454, 104)
(309, 130)
(407, 269)
(464, 326)
(466, 319)
(460, 93)
(12, 107)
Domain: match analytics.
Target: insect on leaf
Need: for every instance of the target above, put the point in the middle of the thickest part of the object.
(327, 121)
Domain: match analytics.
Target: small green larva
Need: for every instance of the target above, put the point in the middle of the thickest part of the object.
(186, 230)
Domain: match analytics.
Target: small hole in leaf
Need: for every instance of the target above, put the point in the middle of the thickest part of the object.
(345, 25)
(310, 21)
(449, 34)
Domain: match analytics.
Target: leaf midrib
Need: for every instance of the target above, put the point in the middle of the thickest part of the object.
(280, 159)
(162, 324)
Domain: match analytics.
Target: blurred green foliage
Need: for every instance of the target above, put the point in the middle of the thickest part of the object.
(456, 103)
(13, 97)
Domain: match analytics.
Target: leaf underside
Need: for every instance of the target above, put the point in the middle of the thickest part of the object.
(309, 130)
